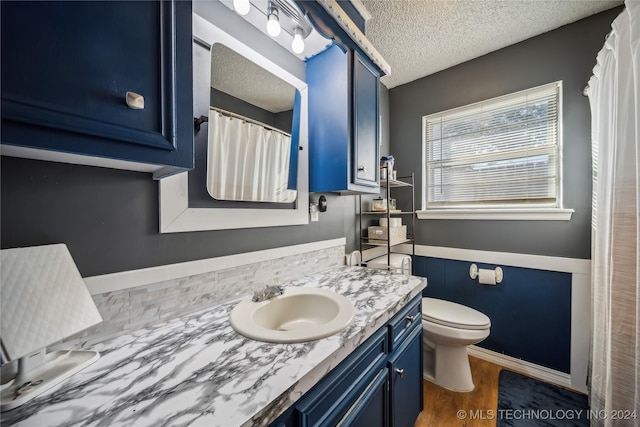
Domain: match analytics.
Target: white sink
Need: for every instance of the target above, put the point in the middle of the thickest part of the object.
(301, 314)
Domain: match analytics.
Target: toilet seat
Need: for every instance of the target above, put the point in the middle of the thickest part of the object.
(447, 313)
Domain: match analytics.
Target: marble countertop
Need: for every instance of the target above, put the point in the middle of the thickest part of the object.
(197, 371)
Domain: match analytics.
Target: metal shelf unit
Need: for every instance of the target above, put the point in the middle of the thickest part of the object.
(407, 182)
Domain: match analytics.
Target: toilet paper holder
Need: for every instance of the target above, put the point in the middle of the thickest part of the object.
(474, 272)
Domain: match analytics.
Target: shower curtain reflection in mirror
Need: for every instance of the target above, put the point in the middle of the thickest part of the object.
(251, 157)
(247, 162)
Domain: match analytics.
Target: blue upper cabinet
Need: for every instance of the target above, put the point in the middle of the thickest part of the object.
(344, 119)
(66, 71)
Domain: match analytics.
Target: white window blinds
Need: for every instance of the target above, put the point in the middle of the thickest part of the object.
(500, 153)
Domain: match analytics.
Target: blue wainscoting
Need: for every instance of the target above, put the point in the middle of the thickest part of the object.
(530, 310)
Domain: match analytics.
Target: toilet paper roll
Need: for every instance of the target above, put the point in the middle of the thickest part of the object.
(487, 277)
(395, 222)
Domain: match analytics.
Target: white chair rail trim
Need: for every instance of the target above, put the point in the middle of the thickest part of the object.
(539, 262)
(133, 278)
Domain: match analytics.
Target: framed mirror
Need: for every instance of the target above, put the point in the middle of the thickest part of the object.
(177, 212)
(253, 131)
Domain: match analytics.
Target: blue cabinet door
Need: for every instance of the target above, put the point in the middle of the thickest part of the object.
(405, 371)
(329, 115)
(366, 120)
(66, 69)
(371, 408)
(336, 394)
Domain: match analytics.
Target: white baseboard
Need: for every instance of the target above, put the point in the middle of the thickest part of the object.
(522, 366)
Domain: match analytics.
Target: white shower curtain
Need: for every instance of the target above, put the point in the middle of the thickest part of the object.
(614, 95)
(247, 162)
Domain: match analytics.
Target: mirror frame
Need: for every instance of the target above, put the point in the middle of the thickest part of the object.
(175, 213)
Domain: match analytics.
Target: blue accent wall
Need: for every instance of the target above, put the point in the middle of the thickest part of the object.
(530, 310)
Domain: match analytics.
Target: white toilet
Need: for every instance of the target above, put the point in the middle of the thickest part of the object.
(448, 328)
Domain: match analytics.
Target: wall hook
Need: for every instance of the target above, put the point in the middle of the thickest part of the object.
(198, 121)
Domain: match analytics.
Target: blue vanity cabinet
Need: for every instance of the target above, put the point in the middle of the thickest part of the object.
(344, 118)
(376, 385)
(345, 389)
(66, 70)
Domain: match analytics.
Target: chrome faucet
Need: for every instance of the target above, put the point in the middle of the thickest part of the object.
(267, 293)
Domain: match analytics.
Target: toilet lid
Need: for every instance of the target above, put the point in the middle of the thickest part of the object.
(454, 315)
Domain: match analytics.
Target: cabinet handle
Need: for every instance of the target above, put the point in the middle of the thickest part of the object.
(135, 101)
(400, 372)
(362, 169)
(411, 319)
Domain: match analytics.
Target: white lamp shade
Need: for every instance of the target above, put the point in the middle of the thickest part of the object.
(297, 45)
(241, 6)
(273, 25)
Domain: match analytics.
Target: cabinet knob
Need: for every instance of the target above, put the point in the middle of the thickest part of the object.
(135, 101)
(411, 319)
(400, 372)
(362, 169)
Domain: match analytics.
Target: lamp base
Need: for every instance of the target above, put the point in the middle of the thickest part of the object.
(55, 367)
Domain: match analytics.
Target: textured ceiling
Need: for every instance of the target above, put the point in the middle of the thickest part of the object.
(421, 37)
(235, 75)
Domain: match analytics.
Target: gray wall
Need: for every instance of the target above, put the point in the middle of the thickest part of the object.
(109, 219)
(566, 54)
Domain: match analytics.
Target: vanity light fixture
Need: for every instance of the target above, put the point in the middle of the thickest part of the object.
(285, 16)
(297, 45)
(242, 7)
(273, 22)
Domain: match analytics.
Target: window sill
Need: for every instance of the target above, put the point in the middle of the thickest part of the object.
(550, 214)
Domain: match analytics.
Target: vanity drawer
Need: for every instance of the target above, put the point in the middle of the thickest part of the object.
(327, 402)
(401, 325)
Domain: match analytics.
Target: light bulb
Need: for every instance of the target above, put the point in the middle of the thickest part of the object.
(241, 6)
(273, 24)
(297, 45)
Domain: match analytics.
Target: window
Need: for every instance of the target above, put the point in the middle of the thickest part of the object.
(500, 158)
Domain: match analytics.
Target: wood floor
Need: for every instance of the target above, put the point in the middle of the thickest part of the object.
(442, 406)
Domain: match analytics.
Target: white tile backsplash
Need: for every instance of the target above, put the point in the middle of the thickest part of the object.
(128, 310)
